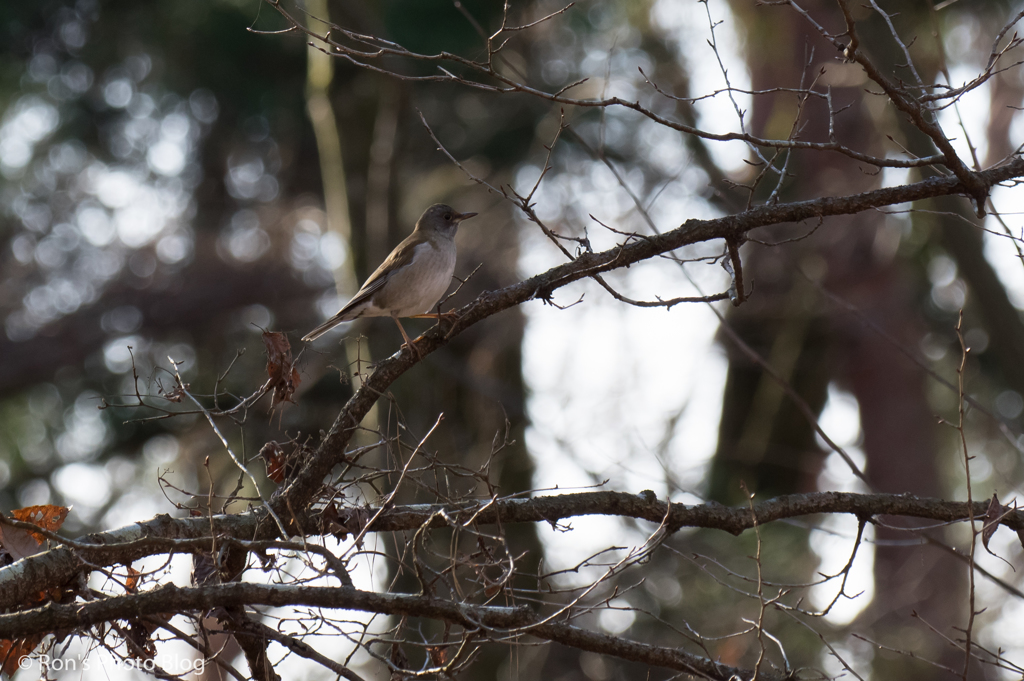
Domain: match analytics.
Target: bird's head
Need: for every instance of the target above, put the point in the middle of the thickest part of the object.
(442, 219)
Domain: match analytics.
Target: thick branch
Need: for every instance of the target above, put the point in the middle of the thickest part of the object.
(493, 621)
(166, 535)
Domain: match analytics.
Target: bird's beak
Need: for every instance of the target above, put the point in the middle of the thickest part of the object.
(459, 217)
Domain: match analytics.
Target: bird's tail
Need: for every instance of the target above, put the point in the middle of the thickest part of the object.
(324, 328)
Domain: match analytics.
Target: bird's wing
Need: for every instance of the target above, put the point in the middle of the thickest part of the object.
(400, 257)
(372, 285)
(364, 294)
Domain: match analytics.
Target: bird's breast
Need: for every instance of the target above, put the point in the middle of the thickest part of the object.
(418, 287)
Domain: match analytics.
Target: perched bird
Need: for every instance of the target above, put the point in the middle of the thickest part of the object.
(412, 279)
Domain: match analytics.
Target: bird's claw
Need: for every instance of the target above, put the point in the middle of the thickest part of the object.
(415, 350)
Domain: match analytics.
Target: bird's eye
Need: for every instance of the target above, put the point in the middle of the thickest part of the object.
(447, 216)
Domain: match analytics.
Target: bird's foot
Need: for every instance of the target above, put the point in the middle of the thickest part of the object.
(412, 347)
(409, 343)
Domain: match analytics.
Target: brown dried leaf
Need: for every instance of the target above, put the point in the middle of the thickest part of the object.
(284, 377)
(131, 584)
(139, 639)
(13, 652)
(274, 458)
(177, 394)
(48, 517)
(330, 519)
(438, 655)
(204, 569)
(21, 543)
(139, 634)
(342, 523)
(995, 513)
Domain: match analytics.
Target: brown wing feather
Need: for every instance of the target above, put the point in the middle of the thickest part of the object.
(401, 256)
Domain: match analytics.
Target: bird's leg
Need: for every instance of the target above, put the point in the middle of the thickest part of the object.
(408, 342)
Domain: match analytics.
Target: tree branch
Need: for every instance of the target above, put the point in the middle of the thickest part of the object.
(186, 535)
(481, 620)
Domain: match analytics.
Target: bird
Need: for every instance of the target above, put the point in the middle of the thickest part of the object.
(412, 279)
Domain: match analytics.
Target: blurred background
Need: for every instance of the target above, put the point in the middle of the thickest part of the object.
(173, 184)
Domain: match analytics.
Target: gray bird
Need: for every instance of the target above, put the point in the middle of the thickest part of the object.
(411, 280)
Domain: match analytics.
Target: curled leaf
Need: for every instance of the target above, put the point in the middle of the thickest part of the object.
(344, 522)
(993, 516)
(284, 377)
(131, 584)
(274, 458)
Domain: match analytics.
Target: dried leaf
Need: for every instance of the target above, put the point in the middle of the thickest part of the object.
(284, 377)
(17, 543)
(13, 652)
(342, 523)
(274, 458)
(21, 543)
(48, 517)
(138, 637)
(996, 512)
(438, 655)
(204, 569)
(131, 584)
(177, 394)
